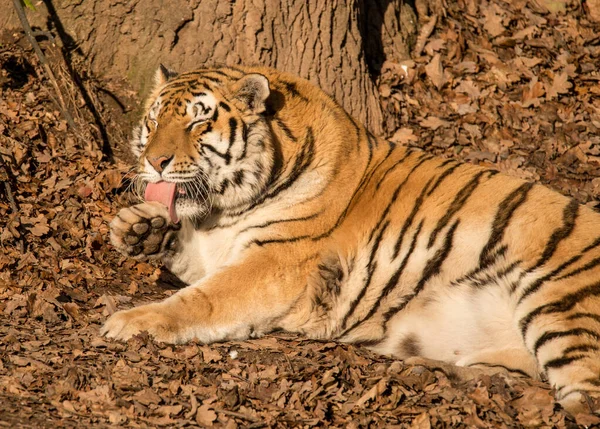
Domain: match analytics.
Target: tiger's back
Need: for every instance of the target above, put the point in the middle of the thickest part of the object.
(316, 226)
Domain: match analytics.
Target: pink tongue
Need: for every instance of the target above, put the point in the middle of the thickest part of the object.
(164, 193)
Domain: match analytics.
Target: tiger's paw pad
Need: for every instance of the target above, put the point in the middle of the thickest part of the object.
(152, 318)
(144, 231)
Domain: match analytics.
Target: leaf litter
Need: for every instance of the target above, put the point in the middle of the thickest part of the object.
(509, 85)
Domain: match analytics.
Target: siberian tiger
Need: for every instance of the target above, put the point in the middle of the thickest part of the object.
(281, 212)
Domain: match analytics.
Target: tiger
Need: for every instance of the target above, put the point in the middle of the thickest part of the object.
(279, 211)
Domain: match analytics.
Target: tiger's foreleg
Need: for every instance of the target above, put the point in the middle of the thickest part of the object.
(234, 303)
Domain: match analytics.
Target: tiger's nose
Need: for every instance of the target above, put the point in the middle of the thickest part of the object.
(160, 162)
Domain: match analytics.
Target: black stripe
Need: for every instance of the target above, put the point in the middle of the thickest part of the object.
(491, 260)
(371, 267)
(562, 361)
(212, 79)
(569, 216)
(422, 158)
(285, 129)
(223, 186)
(595, 244)
(593, 381)
(552, 335)
(273, 222)
(592, 264)
(371, 139)
(593, 316)
(301, 163)
(232, 134)
(448, 161)
(534, 286)
(487, 279)
(303, 160)
(442, 176)
(497, 365)
(225, 106)
(502, 218)
(174, 85)
(235, 70)
(580, 348)
(564, 304)
(189, 128)
(409, 220)
(238, 177)
(292, 89)
(431, 269)
(511, 267)
(220, 73)
(570, 213)
(391, 284)
(232, 72)
(395, 195)
(459, 201)
(225, 156)
(245, 131)
(278, 240)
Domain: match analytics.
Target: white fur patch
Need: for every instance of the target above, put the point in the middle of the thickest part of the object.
(201, 107)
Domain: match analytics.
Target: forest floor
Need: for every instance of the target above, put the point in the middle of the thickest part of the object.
(513, 86)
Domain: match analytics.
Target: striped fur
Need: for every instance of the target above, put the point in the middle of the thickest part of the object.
(306, 222)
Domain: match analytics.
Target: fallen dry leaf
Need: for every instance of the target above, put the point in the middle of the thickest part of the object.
(435, 71)
(434, 123)
(205, 415)
(560, 85)
(404, 136)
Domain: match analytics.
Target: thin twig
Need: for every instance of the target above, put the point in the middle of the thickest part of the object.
(9, 194)
(29, 33)
(14, 207)
(11, 198)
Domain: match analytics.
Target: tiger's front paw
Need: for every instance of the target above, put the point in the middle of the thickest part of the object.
(144, 231)
(156, 319)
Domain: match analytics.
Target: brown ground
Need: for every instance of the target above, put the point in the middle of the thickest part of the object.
(506, 85)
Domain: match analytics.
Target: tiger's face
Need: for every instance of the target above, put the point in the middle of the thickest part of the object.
(205, 132)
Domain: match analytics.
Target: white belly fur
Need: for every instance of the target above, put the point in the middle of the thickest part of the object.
(451, 323)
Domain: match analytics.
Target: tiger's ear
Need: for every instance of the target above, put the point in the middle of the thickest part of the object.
(163, 75)
(252, 91)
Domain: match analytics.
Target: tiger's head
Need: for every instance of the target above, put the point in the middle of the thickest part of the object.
(205, 131)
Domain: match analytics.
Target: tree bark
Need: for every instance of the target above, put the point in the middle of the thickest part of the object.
(337, 44)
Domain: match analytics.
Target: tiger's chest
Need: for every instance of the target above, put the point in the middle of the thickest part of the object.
(202, 252)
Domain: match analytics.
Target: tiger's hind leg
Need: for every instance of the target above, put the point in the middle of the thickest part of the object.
(560, 324)
(517, 361)
(458, 372)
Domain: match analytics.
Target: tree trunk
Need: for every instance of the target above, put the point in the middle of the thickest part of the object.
(338, 45)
